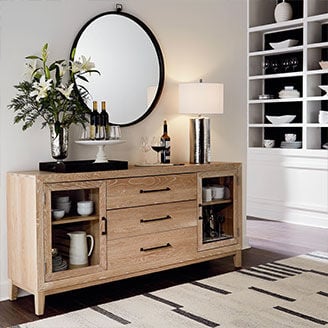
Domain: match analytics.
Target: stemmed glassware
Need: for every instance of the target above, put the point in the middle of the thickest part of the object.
(145, 148)
(157, 146)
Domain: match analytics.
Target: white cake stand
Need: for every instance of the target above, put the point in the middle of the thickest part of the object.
(101, 155)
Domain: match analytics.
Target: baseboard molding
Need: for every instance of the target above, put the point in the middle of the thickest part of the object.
(4, 291)
(4, 294)
(291, 213)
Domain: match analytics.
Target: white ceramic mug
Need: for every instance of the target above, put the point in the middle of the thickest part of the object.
(217, 192)
(207, 194)
(290, 137)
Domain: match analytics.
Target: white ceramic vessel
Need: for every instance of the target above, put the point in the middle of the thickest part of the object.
(78, 250)
(283, 12)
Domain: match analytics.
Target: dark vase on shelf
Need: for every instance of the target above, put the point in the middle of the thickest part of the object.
(59, 141)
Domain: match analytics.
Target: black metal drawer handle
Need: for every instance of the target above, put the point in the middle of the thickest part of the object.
(153, 248)
(105, 231)
(154, 190)
(167, 217)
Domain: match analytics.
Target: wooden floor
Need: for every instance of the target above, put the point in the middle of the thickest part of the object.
(268, 240)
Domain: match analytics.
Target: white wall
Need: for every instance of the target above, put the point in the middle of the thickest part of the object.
(199, 39)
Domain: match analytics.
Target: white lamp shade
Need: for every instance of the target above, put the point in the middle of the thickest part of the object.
(201, 98)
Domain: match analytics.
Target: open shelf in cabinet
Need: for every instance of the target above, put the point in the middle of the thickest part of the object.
(57, 247)
(217, 215)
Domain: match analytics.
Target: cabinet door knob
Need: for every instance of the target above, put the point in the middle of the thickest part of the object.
(105, 230)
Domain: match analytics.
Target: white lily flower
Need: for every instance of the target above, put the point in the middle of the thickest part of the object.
(66, 91)
(41, 88)
(76, 67)
(87, 64)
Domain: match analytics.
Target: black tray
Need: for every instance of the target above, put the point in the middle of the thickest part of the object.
(82, 166)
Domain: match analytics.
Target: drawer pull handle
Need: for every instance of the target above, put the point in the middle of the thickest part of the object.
(154, 190)
(105, 231)
(153, 248)
(156, 219)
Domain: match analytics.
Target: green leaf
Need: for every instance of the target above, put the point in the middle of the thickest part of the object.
(33, 57)
(73, 54)
(47, 72)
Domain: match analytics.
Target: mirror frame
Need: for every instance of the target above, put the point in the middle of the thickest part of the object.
(158, 51)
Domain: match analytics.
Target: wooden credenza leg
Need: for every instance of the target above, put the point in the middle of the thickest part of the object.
(39, 303)
(237, 259)
(13, 291)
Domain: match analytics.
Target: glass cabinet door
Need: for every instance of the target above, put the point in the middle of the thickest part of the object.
(218, 223)
(74, 229)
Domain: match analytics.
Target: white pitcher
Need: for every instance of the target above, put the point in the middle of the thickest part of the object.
(78, 250)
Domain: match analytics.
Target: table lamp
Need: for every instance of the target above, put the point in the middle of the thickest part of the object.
(200, 98)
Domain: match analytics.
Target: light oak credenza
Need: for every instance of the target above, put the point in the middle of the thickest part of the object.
(145, 219)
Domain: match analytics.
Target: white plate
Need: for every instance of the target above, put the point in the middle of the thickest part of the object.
(284, 44)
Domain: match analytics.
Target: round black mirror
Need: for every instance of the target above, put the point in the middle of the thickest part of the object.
(130, 61)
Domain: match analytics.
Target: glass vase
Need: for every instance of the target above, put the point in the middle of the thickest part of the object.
(59, 141)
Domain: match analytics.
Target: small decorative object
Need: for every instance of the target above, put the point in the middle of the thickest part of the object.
(323, 117)
(284, 119)
(289, 92)
(283, 12)
(324, 88)
(49, 93)
(268, 143)
(290, 137)
(323, 64)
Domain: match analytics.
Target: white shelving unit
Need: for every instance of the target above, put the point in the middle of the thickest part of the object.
(289, 185)
(310, 28)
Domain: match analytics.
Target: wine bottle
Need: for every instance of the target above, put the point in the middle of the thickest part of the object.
(104, 122)
(94, 122)
(165, 141)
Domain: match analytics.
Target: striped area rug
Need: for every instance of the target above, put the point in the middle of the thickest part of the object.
(288, 293)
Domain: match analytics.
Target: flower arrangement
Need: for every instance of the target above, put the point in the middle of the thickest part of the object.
(49, 92)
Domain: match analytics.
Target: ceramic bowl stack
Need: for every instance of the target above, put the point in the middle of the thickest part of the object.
(85, 207)
(63, 203)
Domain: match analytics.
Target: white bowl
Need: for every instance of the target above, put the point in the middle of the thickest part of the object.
(284, 44)
(62, 199)
(268, 143)
(284, 119)
(323, 64)
(85, 203)
(84, 211)
(66, 206)
(57, 214)
(324, 88)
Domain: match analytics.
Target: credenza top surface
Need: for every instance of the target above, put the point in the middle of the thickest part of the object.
(132, 171)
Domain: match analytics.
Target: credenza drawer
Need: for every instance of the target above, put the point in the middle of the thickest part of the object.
(127, 192)
(151, 219)
(151, 251)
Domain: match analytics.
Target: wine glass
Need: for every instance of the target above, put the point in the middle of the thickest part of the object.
(294, 63)
(266, 65)
(145, 147)
(275, 66)
(158, 147)
(286, 64)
